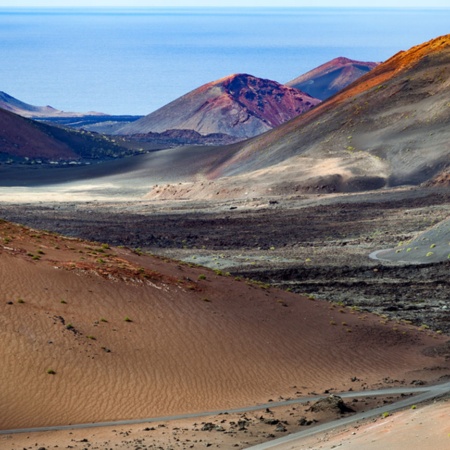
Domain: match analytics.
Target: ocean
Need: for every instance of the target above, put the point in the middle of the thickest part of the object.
(135, 61)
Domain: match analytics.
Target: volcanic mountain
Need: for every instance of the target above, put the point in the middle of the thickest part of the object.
(16, 106)
(238, 105)
(331, 77)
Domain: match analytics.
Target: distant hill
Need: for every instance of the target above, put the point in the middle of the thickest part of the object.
(239, 105)
(331, 77)
(24, 140)
(16, 106)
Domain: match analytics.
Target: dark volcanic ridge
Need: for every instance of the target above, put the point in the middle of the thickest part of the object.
(238, 105)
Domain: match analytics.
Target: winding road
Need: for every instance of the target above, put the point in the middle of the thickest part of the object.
(422, 394)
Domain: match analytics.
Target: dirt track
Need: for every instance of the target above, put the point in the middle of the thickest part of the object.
(313, 244)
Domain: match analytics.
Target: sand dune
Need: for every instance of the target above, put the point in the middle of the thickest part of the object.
(191, 344)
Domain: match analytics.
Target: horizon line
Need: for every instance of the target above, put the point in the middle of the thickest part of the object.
(220, 7)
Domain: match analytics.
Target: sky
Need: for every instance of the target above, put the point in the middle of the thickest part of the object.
(224, 3)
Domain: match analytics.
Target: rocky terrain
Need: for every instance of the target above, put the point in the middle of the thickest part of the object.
(313, 244)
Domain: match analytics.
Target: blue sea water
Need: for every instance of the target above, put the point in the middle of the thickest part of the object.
(135, 61)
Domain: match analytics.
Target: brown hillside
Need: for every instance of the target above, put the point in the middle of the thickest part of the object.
(92, 333)
(24, 138)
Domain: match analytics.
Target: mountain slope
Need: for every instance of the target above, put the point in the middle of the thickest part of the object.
(9, 103)
(331, 77)
(239, 105)
(390, 127)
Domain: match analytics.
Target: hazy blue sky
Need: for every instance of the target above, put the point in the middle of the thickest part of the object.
(234, 3)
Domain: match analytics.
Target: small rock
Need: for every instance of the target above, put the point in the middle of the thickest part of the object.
(242, 424)
(303, 422)
(272, 421)
(208, 426)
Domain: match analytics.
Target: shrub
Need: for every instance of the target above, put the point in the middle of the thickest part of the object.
(202, 277)
(385, 415)
(51, 372)
(127, 319)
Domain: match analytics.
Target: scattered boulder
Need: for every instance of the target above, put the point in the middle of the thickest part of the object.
(332, 403)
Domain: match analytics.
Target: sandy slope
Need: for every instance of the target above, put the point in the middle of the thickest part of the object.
(192, 344)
